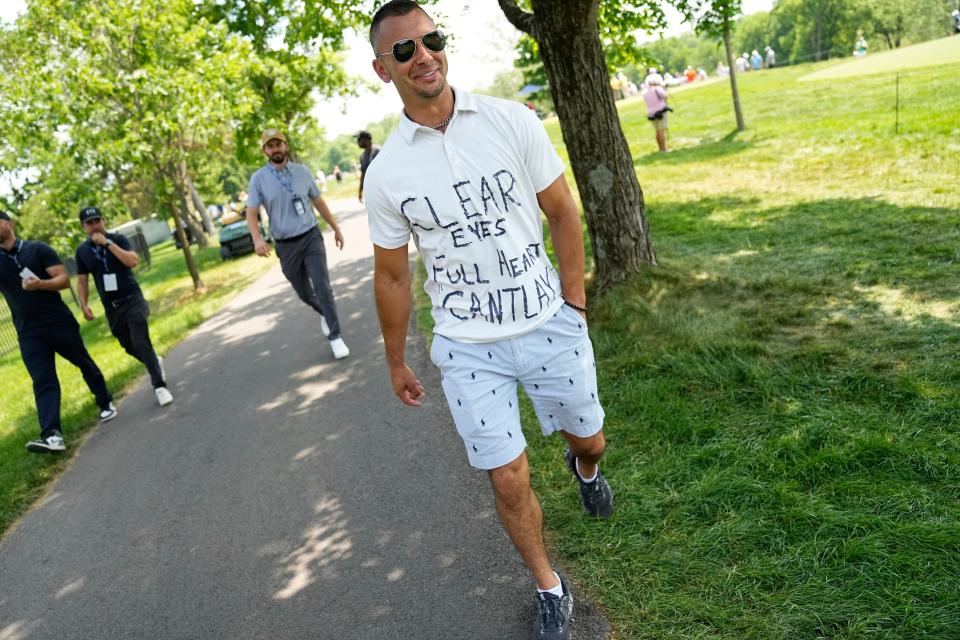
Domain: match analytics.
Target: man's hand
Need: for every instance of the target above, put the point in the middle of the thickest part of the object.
(87, 313)
(360, 197)
(261, 247)
(98, 238)
(338, 238)
(406, 385)
(30, 284)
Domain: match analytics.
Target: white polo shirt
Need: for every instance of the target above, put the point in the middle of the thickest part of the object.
(469, 196)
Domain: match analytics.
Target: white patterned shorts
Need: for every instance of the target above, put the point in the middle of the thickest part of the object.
(555, 365)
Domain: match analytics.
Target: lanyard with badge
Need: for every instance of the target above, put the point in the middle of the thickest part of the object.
(25, 272)
(285, 178)
(109, 279)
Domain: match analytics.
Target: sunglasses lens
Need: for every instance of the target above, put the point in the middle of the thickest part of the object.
(435, 40)
(404, 49)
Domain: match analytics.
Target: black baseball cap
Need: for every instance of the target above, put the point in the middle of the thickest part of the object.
(89, 213)
(5, 216)
(364, 135)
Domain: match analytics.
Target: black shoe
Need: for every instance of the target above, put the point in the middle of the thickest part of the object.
(553, 615)
(47, 445)
(596, 496)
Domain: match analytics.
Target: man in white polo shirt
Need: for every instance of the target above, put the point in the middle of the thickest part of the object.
(468, 176)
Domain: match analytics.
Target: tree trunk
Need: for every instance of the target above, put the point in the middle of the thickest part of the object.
(733, 75)
(187, 255)
(613, 205)
(197, 201)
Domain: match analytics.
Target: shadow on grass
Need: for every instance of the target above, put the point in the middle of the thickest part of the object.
(703, 152)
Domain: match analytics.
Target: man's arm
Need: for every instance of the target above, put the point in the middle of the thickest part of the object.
(563, 216)
(83, 293)
(324, 210)
(391, 285)
(363, 173)
(127, 257)
(253, 224)
(59, 279)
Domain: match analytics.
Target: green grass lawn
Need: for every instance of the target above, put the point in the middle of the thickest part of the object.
(175, 309)
(783, 391)
(943, 52)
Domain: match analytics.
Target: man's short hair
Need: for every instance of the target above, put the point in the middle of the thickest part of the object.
(391, 9)
(5, 216)
(364, 135)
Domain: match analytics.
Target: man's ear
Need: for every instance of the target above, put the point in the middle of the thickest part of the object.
(381, 70)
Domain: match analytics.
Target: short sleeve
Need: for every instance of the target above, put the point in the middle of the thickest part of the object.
(543, 163)
(82, 267)
(254, 197)
(47, 257)
(313, 192)
(388, 227)
(123, 242)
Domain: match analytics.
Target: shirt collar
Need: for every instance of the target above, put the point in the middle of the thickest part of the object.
(462, 101)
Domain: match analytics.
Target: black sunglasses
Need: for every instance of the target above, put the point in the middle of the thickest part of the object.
(403, 50)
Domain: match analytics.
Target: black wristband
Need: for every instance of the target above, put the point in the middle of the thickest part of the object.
(570, 304)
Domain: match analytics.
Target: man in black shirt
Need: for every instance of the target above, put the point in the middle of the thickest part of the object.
(31, 277)
(110, 259)
(370, 151)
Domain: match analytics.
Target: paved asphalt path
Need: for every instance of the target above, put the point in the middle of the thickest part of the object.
(283, 495)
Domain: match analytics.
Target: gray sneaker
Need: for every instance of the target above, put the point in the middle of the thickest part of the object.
(553, 615)
(47, 445)
(596, 496)
(108, 414)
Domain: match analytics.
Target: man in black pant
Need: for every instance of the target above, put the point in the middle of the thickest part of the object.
(31, 277)
(110, 259)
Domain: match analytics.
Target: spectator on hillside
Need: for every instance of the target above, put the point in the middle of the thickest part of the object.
(771, 57)
(956, 20)
(690, 74)
(110, 259)
(722, 70)
(740, 64)
(337, 173)
(655, 95)
(860, 49)
(370, 151)
(701, 74)
(756, 60)
(31, 278)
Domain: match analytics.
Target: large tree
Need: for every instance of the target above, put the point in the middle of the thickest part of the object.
(120, 94)
(568, 36)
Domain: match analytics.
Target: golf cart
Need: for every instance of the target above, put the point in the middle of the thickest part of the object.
(234, 236)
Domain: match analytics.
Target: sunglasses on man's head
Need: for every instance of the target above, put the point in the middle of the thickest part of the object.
(403, 50)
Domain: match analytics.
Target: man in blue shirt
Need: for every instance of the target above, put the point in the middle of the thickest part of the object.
(31, 277)
(110, 259)
(288, 193)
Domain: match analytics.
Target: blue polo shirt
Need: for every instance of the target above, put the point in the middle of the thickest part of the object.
(275, 189)
(97, 261)
(34, 312)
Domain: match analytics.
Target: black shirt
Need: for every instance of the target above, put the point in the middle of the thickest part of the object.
(34, 312)
(98, 260)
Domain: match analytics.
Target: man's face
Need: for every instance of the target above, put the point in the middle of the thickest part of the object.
(276, 150)
(363, 143)
(6, 230)
(93, 225)
(423, 76)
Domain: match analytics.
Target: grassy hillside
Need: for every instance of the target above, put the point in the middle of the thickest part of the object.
(783, 391)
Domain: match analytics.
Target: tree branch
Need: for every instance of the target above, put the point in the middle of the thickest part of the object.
(517, 16)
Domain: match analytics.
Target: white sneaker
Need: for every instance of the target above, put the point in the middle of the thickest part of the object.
(324, 328)
(46, 445)
(108, 414)
(340, 349)
(164, 397)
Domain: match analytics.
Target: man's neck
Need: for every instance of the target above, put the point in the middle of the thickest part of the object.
(9, 244)
(432, 113)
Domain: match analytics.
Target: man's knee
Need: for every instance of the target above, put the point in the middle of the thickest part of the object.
(593, 446)
(511, 482)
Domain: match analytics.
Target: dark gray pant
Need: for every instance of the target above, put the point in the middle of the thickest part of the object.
(128, 324)
(303, 261)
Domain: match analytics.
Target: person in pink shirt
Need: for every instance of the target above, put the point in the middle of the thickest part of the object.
(655, 95)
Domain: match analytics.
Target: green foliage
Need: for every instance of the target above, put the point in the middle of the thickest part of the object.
(676, 53)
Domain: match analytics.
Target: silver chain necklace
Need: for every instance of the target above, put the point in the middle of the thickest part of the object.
(443, 124)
